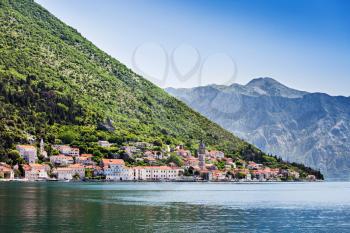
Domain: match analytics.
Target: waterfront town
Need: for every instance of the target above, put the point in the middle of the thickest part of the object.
(170, 164)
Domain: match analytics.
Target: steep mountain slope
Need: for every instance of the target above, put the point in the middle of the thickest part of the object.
(56, 85)
(310, 128)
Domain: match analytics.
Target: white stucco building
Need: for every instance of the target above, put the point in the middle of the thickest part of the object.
(68, 173)
(115, 169)
(156, 173)
(36, 171)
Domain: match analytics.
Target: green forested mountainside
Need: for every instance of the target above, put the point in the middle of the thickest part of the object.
(57, 85)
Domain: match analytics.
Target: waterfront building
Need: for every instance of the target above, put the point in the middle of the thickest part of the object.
(36, 171)
(206, 174)
(70, 172)
(311, 178)
(218, 175)
(249, 177)
(6, 172)
(155, 173)
(258, 174)
(114, 169)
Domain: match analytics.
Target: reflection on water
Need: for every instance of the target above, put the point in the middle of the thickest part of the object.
(174, 207)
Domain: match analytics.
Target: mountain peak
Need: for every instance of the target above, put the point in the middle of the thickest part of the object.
(271, 87)
(263, 81)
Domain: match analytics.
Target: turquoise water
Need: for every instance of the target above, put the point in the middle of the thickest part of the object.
(174, 207)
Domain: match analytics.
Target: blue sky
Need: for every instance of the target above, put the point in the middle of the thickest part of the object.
(185, 43)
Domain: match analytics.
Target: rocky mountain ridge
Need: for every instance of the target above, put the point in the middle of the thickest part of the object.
(310, 128)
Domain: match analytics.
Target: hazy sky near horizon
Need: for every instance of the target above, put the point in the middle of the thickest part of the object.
(305, 44)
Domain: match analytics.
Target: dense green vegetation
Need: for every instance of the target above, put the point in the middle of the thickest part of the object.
(56, 85)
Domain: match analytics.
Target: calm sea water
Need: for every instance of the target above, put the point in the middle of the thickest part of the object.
(174, 207)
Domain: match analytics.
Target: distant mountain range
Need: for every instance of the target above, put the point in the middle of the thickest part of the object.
(310, 128)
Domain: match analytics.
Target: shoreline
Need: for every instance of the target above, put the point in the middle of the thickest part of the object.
(156, 181)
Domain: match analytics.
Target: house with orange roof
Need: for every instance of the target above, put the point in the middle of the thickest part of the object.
(6, 172)
(36, 171)
(191, 162)
(218, 175)
(28, 153)
(258, 174)
(68, 173)
(115, 169)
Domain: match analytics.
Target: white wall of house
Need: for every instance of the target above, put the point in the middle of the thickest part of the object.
(116, 172)
(155, 173)
(36, 174)
(69, 173)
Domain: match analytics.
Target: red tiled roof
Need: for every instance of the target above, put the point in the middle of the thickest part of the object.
(192, 159)
(113, 161)
(63, 169)
(26, 167)
(76, 166)
(5, 169)
(37, 165)
(26, 146)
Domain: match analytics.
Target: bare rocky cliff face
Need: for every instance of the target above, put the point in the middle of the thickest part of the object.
(310, 128)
